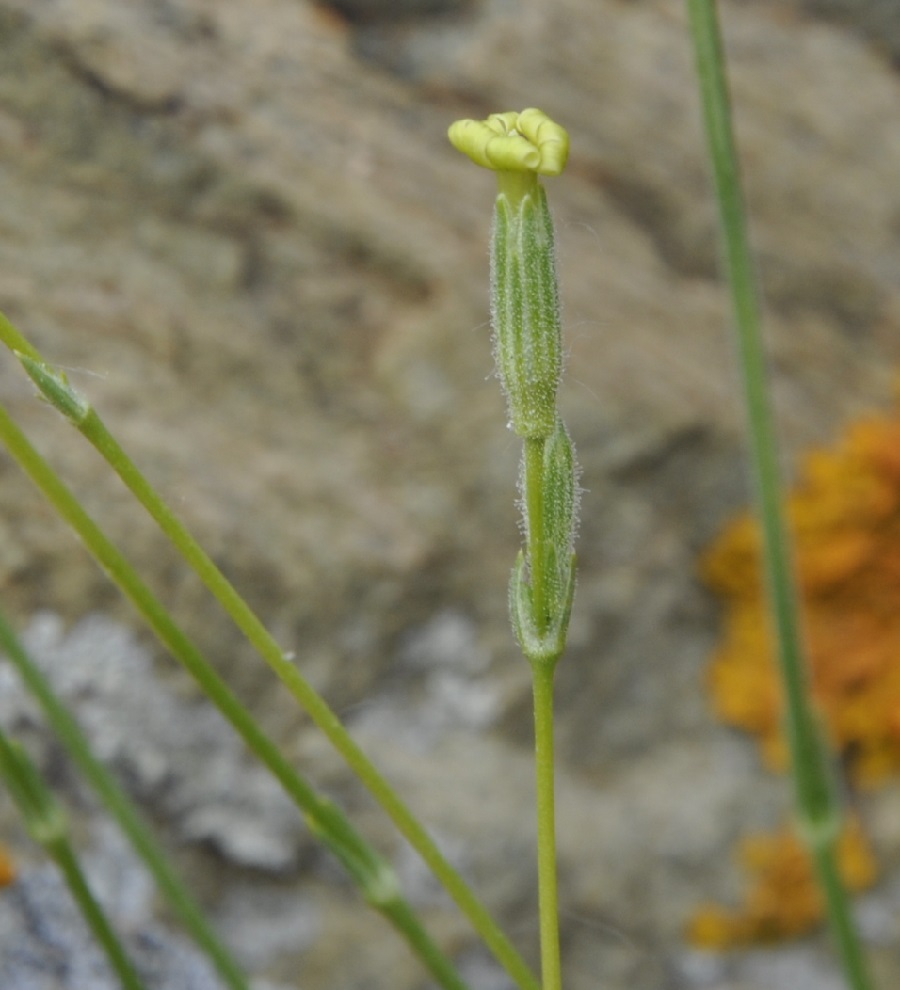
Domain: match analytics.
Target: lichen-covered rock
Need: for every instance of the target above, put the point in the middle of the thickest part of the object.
(844, 516)
(783, 899)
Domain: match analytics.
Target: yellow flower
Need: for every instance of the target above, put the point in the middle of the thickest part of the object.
(517, 142)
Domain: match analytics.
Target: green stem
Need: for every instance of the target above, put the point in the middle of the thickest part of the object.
(313, 703)
(95, 431)
(65, 859)
(122, 809)
(548, 898)
(402, 916)
(47, 824)
(12, 337)
(534, 500)
(817, 805)
(843, 925)
(367, 868)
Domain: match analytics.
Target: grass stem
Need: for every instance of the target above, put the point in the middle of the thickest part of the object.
(120, 806)
(95, 431)
(65, 859)
(817, 807)
(47, 824)
(366, 867)
(841, 920)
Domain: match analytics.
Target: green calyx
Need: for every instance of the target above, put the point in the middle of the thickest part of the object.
(543, 580)
(525, 311)
(543, 647)
(519, 142)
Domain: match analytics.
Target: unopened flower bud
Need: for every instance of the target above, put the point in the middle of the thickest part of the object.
(560, 505)
(525, 312)
(525, 318)
(524, 298)
(542, 636)
(527, 141)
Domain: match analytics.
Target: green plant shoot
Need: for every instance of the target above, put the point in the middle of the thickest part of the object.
(527, 341)
(47, 824)
(817, 802)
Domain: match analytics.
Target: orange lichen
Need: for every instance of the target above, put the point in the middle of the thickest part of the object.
(845, 519)
(783, 900)
(7, 867)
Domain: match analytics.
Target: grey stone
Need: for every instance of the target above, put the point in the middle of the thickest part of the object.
(178, 757)
(45, 944)
(368, 11)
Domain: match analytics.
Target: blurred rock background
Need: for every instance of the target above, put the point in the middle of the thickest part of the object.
(240, 228)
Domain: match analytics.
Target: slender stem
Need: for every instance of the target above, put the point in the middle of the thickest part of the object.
(47, 824)
(843, 925)
(313, 703)
(65, 859)
(15, 341)
(96, 432)
(122, 809)
(548, 898)
(817, 805)
(402, 916)
(534, 499)
(745, 302)
(328, 823)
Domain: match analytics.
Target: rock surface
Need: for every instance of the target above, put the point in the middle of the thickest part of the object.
(242, 231)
